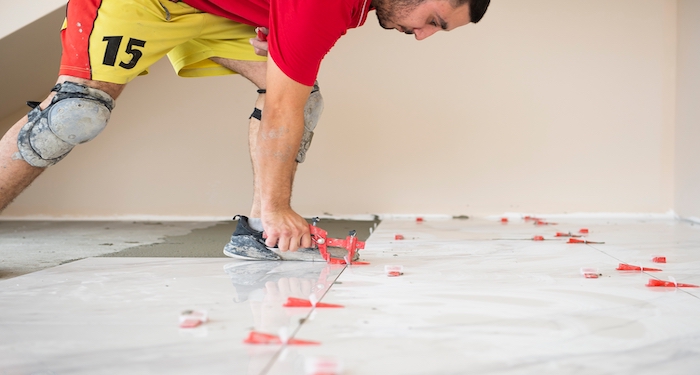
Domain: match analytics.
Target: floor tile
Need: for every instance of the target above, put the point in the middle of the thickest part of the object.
(120, 315)
(476, 297)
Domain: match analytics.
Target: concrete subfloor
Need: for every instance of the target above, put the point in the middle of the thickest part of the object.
(30, 246)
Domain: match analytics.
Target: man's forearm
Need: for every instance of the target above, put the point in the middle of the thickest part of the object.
(279, 137)
(278, 140)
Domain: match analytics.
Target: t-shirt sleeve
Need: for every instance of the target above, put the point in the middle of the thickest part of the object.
(302, 32)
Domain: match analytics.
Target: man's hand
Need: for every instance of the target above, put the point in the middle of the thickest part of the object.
(260, 42)
(286, 229)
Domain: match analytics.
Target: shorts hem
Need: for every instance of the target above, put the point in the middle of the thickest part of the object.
(182, 64)
(86, 74)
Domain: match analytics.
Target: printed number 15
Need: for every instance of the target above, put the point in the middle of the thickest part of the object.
(113, 44)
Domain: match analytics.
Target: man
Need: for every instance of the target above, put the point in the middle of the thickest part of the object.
(276, 44)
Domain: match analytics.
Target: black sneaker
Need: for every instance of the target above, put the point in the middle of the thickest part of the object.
(247, 243)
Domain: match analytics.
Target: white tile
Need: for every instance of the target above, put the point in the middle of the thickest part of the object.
(120, 315)
(476, 296)
(469, 306)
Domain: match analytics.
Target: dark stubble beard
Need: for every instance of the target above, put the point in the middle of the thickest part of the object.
(388, 11)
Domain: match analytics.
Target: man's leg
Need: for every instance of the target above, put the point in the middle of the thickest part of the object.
(312, 113)
(249, 244)
(254, 71)
(15, 173)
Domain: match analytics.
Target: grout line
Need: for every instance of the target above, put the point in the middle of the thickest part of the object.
(273, 360)
(284, 346)
(644, 272)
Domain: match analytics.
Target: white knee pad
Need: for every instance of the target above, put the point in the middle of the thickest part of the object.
(312, 113)
(77, 114)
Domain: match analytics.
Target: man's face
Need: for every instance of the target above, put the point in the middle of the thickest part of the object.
(421, 18)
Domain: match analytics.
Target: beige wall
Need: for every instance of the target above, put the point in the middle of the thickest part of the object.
(17, 14)
(544, 106)
(688, 129)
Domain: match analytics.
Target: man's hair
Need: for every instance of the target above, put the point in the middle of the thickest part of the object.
(477, 8)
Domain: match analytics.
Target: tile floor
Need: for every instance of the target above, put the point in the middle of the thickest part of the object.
(476, 297)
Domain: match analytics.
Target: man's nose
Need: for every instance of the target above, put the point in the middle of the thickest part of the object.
(424, 33)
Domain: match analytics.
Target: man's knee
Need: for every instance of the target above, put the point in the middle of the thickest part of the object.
(312, 113)
(76, 114)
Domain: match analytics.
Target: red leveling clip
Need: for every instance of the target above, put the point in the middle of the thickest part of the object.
(667, 284)
(298, 302)
(576, 240)
(629, 267)
(265, 338)
(350, 243)
(561, 234)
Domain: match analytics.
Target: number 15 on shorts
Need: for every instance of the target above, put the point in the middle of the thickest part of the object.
(133, 47)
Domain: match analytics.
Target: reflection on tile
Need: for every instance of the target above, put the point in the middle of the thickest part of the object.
(466, 304)
(476, 296)
(120, 315)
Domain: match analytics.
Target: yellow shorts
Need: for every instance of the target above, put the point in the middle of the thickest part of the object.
(117, 40)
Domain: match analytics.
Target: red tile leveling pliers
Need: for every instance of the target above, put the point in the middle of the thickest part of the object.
(320, 239)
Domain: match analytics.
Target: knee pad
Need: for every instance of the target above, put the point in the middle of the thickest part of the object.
(312, 113)
(77, 114)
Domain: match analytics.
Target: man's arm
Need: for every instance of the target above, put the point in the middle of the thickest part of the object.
(279, 137)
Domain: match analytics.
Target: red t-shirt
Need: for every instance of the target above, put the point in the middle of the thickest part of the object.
(301, 31)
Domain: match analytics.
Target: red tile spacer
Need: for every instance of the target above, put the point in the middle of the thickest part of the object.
(190, 323)
(298, 302)
(658, 259)
(576, 240)
(398, 237)
(419, 219)
(538, 238)
(583, 230)
(323, 366)
(671, 284)
(590, 273)
(629, 267)
(342, 261)
(504, 220)
(393, 271)
(561, 234)
(193, 318)
(266, 338)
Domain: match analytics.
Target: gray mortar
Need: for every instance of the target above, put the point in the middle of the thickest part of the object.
(209, 242)
(30, 246)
